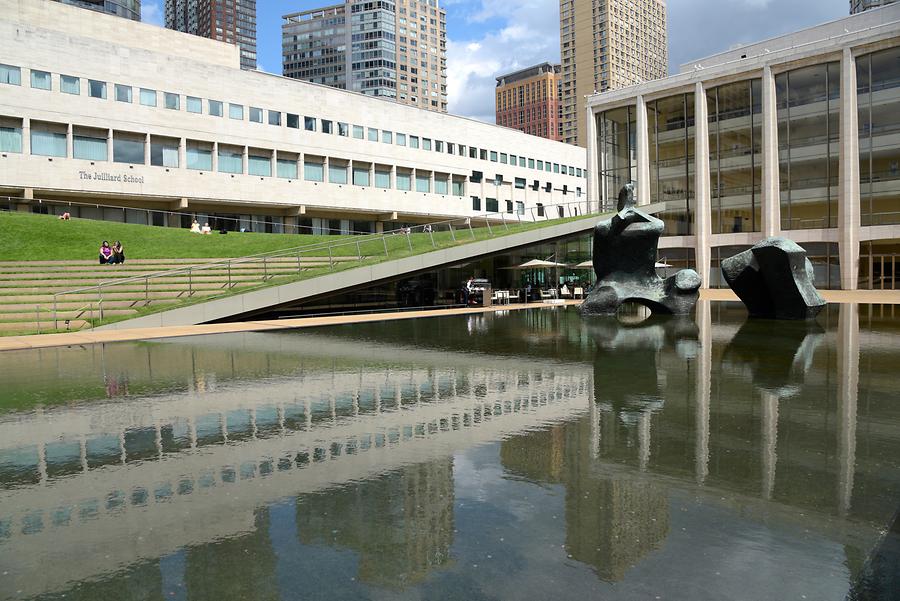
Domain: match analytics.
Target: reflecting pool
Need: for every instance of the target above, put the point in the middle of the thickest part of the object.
(521, 455)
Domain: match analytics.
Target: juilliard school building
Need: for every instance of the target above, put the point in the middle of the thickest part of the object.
(797, 136)
(122, 119)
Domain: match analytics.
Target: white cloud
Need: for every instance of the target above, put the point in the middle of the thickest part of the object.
(152, 13)
(526, 33)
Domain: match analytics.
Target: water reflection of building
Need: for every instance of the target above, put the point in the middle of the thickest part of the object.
(121, 484)
(401, 524)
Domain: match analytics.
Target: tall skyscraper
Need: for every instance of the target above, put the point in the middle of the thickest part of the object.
(130, 9)
(528, 100)
(232, 21)
(604, 45)
(857, 6)
(395, 50)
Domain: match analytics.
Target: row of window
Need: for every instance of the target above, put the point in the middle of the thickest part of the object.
(122, 93)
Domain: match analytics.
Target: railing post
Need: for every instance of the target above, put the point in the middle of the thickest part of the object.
(409, 240)
(471, 231)
(190, 281)
(37, 314)
(229, 275)
(55, 315)
(384, 241)
(533, 219)
(487, 222)
(452, 235)
(266, 267)
(147, 290)
(358, 252)
(431, 234)
(299, 265)
(330, 259)
(503, 218)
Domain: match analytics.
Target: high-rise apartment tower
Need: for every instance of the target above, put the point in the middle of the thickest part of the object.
(130, 9)
(528, 100)
(857, 6)
(395, 50)
(232, 21)
(604, 45)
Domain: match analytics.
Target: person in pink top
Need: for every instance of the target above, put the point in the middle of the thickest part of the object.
(105, 253)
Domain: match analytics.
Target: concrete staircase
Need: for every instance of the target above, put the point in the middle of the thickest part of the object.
(27, 288)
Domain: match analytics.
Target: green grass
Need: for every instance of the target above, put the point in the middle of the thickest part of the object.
(31, 237)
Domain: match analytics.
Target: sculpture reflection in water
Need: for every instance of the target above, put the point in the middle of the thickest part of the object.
(625, 250)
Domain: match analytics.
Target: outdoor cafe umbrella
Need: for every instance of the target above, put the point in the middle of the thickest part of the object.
(589, 264)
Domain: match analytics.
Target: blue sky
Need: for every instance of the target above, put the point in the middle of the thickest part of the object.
(490, 37)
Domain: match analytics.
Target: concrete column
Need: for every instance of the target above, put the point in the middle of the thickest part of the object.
(70, 142)
(848, 390)
(431, 182)
(109, 145)
(771, 188)
(769, 442)
(703, 388)
(215, 157)
(642, 147)
(26, 136)
(146, 149)
(290, 224)
(372, 174)
(592, 199)
(245, 160)
(703, 202)
(182, 153)
(393, 177)
(848, 179)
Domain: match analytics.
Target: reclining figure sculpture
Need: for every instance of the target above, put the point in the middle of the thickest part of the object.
(625, 248)
(774, 279)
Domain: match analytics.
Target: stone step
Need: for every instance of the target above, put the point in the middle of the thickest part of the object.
(62, 315)
(130, 270)
(135, 287)
(174, 262)
(30, 327)
(74, 306)
(91, 297)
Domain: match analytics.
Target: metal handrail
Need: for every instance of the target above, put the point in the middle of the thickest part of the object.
(575, 208)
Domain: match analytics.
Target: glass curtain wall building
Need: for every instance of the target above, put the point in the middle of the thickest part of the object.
(794, 137)
(130, 9)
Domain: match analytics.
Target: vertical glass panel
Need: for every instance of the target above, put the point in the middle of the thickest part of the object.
(413, 142)
(404, 181)
(358, 132)
(386, 137)
(615, 144)
(879, 124)
(373, 135)
(89, 148)
(193, 105)
(360, 176)
(259, 165)
(382, 178)
(10, 75)
(69, 85)
(231, 160)
(47, 143)
(426, 144)
(440, 186)
(287, 169)
(423, 183)
(458, 187)
(215, 108)
(128, 149)
(148, 97)
(256, 114)
(809, 100)
(337, 174)
(40, 80)
(274, 118)
(327, 126)
(96, 89)
(313, 172)
(198, 157)
(293, 121)
(673, 132)
(401, 139)
(164, 153)
(734, 157)
(343, 129)
(236, 111)
(309, 123)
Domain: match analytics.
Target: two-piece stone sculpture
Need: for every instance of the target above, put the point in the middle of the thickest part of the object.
(774, 279)
(625, 249)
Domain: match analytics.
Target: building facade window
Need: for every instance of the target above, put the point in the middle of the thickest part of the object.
(10, 139)
(194, 105)
(97, 89)
(423, 183)
(231, 160)
(616, 143)
(215, 108)
(89, 148)
(878, 83)
(274, 117)
(491, 206)
(256, 114)
(47, 143)
(292, 121)
(313, 171)
(670, 134)
(440, 186)
(386, 137)
(287, 169)
(476, 203)
(404, 181)
(148, 97)
(10, 75)
(128, 148)
(360, 176)
(337, 174)
(309, 123)
(124, 93)
(735, 157)
(69, 85)
(259, 165)
(41, 80)
(171, 101)
(382, 178)
(236, 111)
(808, 101)
(164, 152)
(198, 156)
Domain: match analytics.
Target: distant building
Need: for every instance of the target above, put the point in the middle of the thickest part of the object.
(232, 21)
(386, 49)
(528, 100)
(857, 6)
(606, 45)
(130, 9)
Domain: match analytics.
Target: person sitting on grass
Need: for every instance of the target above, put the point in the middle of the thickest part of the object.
(65, 216)
(118, 253)
(206, 229)
(195, 227)
(105, 253)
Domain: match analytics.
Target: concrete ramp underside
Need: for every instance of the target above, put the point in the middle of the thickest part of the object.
(277, 295)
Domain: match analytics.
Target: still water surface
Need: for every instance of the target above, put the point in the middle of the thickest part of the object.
(530, 455)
